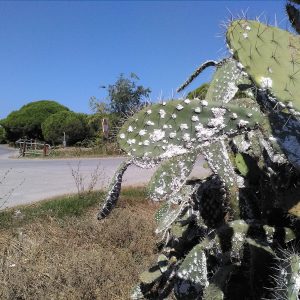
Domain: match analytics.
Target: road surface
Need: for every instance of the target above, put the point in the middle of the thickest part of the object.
(24, 181)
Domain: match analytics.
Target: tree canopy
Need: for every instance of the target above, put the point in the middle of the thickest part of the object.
(73, 124)
(125, 94)
(28, 119)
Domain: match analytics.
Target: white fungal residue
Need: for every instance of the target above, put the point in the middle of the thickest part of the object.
(266, 82)
(162, 113)
(242, 123)
(174, 116)
(130, 129)
(197, 110)
(240, 66)
(186, 137)
(172, 135)
(157, 135)
(142, 132)
(149, 111)
(234, 116)
(245, 35)
(204, 102)
(183, 126)
(187, 101)
(122, 136)
(131, 141)
(218, 120)
(149, 123)
(248, 28)
(195, 118)
(146, 143)
(173, 150)
(179, 107)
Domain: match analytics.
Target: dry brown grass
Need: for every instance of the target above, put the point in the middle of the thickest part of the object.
(78, 257)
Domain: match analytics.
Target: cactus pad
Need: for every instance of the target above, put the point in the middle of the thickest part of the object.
(166, 130)
(270, 56)
(170, 176)
(224, 84)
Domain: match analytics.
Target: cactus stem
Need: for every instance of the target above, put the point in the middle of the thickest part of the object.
(209, 63)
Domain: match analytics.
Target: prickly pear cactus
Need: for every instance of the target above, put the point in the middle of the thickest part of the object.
(234, 233)
(173, 128)
(270, 56)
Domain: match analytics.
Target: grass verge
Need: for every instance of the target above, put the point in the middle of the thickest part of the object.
(58, 250)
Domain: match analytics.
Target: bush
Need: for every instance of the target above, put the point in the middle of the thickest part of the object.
(2, 135)
(73, 124)
(199, 92)
(28, 119)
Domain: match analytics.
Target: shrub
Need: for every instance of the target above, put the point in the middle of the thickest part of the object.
(28, 119)
(73, 124)
(2, 135)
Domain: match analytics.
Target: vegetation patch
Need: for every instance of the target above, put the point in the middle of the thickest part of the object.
(58, 250)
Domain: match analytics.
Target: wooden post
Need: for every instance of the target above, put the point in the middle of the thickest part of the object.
(105, 128)
(24, 148)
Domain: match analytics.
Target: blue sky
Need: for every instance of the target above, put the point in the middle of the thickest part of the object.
(64, 51)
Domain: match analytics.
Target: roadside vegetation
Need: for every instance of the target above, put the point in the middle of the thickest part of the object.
(57, 249)
(49, 121)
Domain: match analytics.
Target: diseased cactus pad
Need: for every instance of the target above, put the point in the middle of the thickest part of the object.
(170, 176)
(270, 56)
(163, 131)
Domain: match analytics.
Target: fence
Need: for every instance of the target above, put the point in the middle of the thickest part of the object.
(32, 147)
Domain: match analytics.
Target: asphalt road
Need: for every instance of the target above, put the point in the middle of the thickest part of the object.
(24, 181)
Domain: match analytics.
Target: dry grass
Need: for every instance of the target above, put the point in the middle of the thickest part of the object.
(78, 257)
(108, 149)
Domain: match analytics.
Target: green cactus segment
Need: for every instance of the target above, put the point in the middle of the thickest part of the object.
(150, 276)
(170, 176)
(294, 277)
(217, 285)
(162, 211)
(286, 132)
(169, 217)
(218, 159)
(166, 130)
(113, 190)
(288, 277)
(270, 56)
(294, 16)
(209, 63)
(194, 267)
(163, 263)
(241, 164)
(225, 82)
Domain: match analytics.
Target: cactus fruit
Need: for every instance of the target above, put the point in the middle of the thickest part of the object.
(162, 131)
(270, 56)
